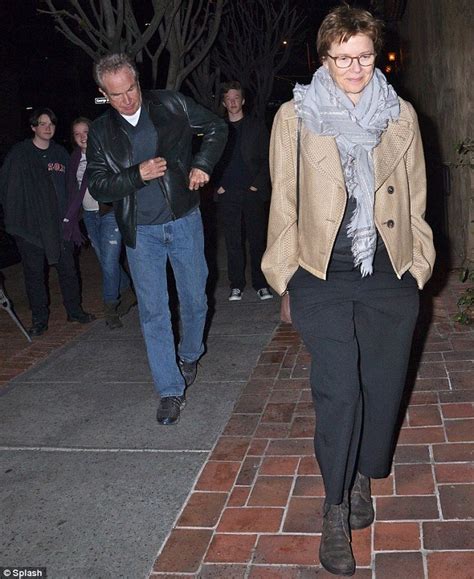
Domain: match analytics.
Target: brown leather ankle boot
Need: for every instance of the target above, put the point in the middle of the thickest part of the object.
(361, 508)
(335, 551)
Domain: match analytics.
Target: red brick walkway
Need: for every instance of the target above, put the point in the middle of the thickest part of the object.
(255, 510)
(17, 354)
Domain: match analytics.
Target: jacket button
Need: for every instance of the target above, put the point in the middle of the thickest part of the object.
(390, 189)
(390, 223)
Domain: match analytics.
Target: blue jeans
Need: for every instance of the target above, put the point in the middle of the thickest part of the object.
(106, 240)
(182, 243)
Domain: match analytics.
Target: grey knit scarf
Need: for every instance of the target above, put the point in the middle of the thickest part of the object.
(326, 110)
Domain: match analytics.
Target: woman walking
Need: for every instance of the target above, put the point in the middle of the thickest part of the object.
(348, 240)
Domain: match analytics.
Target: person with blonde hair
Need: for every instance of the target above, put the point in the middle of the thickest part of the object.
(102, 230)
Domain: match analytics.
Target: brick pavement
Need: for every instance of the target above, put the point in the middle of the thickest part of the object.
(18, 355)
(255, 509)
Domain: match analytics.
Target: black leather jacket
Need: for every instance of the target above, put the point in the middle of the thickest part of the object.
(114, 178)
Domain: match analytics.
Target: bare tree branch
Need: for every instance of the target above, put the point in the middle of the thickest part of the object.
(60, 18)
(106, 25)
(143, 38)
(192, 32)
(204, 84)
(255, 43)
(186, 29)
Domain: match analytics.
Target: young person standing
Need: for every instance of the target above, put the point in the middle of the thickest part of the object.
(34, 198)
(243, 186)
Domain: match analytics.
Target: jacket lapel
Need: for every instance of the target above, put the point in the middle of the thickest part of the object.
(167, 131)
(323, 154)
(388, 153)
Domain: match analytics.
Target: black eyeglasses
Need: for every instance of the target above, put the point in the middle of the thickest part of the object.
(346, 61)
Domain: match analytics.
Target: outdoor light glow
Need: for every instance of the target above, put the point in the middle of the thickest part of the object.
(392, 56)
(285, 42)
(388, 69)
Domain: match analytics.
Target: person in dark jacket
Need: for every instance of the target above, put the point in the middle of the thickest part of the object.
(34, 198)
(139, 158)
(102, 230)
(243, 186)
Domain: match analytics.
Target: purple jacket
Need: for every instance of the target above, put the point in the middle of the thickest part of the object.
(71, 229)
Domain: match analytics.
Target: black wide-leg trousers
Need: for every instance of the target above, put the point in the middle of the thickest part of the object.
(358, 332)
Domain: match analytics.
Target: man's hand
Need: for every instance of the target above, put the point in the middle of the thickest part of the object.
(152, 168)
(197, 178)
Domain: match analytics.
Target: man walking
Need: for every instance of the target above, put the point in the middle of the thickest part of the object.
(243, 186)
(139, 157)
(34, 199)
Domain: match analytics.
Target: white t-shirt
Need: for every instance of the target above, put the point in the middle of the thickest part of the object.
(133, 119)
(88, 203)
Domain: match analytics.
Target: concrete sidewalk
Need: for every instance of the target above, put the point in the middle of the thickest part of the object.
(90, 483)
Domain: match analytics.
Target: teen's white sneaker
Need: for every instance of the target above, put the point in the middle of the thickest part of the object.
(264, 294)
(235, 295)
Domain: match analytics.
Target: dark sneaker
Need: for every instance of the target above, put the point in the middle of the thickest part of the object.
(37, 329)
(264, 294)
(235, 295)
(169, 409)
(188, 370)
(81, 318)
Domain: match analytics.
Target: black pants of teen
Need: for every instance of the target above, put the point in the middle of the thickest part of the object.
(34, 270)
(238, 209)
(358, 332)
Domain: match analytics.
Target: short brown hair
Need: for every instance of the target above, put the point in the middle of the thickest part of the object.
(35, 115)
(345, 22)
(232, 85)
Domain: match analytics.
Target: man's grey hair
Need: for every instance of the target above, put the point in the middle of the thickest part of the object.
(112, 63)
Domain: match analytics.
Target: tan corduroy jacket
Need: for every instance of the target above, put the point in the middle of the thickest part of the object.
(400, 199)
